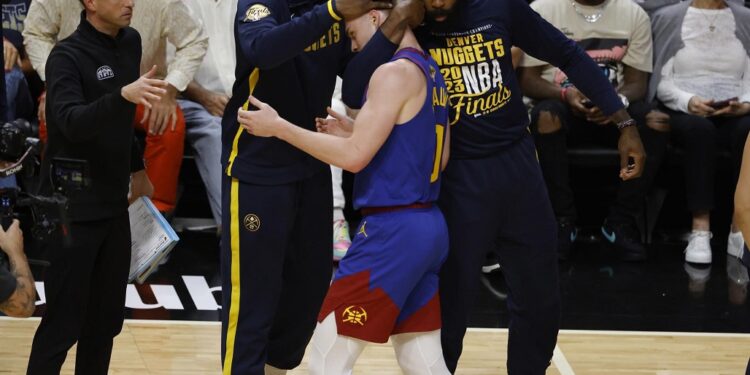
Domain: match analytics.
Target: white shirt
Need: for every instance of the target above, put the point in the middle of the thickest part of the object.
(216, 73)
(712, 64)
(157, 21)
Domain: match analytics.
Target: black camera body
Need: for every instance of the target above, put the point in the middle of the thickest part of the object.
(48, 214)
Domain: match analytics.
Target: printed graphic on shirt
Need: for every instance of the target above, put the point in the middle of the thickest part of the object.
(331, 37)
(470, 63)
(256, 12)
(104, 72)
(608, 53)
(13, 16)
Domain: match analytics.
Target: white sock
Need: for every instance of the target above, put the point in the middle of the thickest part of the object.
(331, 353)
(420, 353)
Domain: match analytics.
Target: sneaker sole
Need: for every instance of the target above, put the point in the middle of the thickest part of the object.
(490, 268)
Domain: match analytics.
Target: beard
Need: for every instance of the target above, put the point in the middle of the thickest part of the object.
(439, 13)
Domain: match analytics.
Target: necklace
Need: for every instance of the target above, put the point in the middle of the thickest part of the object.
(711, 21)
(590, 18)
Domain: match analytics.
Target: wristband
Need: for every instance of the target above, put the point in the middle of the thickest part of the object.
(564, 94)
(624, 124)
(332, 10)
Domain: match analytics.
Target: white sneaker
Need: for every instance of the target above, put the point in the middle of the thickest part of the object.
(735, 244)
(699, 247)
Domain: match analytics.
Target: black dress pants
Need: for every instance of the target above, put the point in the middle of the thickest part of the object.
(85, 291)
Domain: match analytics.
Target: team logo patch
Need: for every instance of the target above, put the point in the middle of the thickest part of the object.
(354, 315)
(251, 222)
(104, 72)
(256, 12)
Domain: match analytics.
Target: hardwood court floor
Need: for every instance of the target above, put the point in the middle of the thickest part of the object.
(157, 347)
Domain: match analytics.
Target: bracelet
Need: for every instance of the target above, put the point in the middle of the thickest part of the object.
(563, 94)
(332, 10)
(624, 124)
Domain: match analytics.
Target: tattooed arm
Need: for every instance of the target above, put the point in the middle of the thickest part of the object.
(20, 304)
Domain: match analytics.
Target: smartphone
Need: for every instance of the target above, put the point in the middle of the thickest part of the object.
(722, 103)
(588, 103)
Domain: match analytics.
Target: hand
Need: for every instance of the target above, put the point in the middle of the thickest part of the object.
(162, 113)
(11, 241)
(700, 107)
(596, 116)
(145, 90)
(575, 100)
(140, 186)
(214, 103)
(41, 112)
(351, 9)
(11, 55)
(410, 10)
(336, 124)
(261, 123)
(630, 147)
(734, 109)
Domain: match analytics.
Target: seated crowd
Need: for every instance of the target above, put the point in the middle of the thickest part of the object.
(682, 69)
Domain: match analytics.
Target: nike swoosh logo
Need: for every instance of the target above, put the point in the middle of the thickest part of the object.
(610, 237)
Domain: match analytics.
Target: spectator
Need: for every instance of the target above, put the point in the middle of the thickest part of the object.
(16, 62)
(708, 100)
(207, 95)
(158, 22)
(617, 35)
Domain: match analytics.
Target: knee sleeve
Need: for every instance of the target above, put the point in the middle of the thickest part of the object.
(332, 354)
(420, 353)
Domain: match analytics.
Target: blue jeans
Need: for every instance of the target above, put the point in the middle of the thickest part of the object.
(18, 98)
(203, 132)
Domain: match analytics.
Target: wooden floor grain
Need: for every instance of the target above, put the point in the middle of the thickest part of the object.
(185, 348)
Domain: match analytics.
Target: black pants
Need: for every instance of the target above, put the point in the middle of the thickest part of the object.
(85, 290)
(276, 267)
(576, 132)
(500, 203)
(702, 138)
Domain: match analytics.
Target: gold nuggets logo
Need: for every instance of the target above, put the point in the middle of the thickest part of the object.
(354, 315)
(256, 12)
(251, 222)
(470, 65)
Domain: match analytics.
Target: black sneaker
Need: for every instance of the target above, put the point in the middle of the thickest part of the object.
(624, 236)
(566, 236)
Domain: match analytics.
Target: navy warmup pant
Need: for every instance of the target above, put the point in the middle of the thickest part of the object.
(502, 200)
(276, 267)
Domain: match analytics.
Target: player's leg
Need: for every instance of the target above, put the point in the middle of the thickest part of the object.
(331, 353)
(420, 353)
(257, 225)
(469, 204)
(527, 253)
(307, 272)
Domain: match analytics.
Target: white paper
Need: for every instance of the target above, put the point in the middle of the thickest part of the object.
(151, 238)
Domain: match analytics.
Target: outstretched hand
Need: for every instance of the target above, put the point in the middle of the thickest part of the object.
(146, 90)
(336, 124)
(263, 122)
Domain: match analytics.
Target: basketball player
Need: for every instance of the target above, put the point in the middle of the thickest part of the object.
(387, 282)
(493, 194)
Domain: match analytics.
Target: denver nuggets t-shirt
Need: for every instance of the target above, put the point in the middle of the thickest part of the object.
(472, 47)
(620, 35)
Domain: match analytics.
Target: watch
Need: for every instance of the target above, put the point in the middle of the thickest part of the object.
(624, 100)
